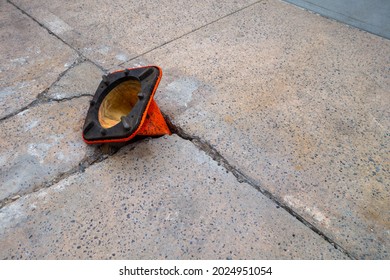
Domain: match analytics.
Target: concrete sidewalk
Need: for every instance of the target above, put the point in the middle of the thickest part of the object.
(281, 134)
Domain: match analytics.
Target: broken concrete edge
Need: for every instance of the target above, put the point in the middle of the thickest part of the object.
(241, 177)
(202, 145)
(103, 152)
(100, 155)
(43, 99)
(197, 141)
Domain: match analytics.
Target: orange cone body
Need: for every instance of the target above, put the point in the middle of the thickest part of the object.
(154, 124)
(108, 121)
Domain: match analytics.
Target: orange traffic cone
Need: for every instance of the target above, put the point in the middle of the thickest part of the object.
(123, 107)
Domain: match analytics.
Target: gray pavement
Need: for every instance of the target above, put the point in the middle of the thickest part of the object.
(147, 201)
(281, 134)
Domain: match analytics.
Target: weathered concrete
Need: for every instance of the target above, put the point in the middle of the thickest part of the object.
(111, 33)
(40, 144)
(157, 199)
(83, 79)
(30, 61)
(299, 104)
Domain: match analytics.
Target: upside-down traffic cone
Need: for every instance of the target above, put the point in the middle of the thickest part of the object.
(123, 107)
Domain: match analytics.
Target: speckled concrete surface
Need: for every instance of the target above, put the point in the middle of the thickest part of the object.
(299, 104)
(40, 144)
(30, 60)
(288, 102)
(161, 198)
(80, 80)
(112, 32)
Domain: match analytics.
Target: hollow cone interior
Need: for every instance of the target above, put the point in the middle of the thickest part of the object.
(118, 102)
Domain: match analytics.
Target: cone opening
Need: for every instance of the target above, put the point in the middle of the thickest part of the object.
(118, 102)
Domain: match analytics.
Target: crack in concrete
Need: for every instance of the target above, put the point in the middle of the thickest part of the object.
(101, 153)
(243, 178)
(41, 99)
(81, 166)
(67, 98)
(99, 156)
(57, 37)
(189, 32)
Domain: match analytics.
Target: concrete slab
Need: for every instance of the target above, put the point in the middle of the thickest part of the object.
(111, 33)
(31, 59)
(299, 104)
(82, 79)
(157, 199)
(40, 144)
(372, 16)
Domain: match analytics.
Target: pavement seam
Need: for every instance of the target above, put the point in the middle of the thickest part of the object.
(42, 99)
(189, 32)
(89, 160)
(98, 156)
(243, 178)
(46, 100)
(57, 37)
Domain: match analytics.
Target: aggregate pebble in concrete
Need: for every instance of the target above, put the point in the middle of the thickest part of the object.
(82, 79)
(298, 103)
(39, 144)
(112, 32)
(31, 59)
(156, 199)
